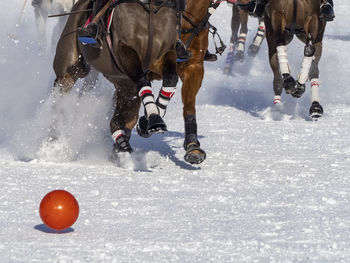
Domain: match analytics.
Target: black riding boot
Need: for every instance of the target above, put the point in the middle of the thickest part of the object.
(182, 53)
(327, 12)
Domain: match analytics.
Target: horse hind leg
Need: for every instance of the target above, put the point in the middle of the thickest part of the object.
(131, 65)
(239, 56)
(235, 23)
(258, 39)
(170, 79)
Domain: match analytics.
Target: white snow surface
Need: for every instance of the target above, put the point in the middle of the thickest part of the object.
(274, 188)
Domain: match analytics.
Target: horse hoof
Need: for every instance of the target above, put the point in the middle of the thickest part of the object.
(289, 83)
(142, 127)
(239, 56)
(227, 70)
(122, 145)
(156, 124)
(299, 90)
(253, 50)
(316, 110)
(194, 154)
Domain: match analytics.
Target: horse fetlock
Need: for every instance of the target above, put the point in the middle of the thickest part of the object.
(289, 83)
(121, 142)
(299, 90)
(239, 56)
(253, 50)
(316, 110)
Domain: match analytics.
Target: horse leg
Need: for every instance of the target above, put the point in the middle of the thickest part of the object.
(130, 63)
(258, 39)
(170, 79)
(192, 79)
(68, 66)
(242, 36)
(127, 105)
(316, 110)
(272, 46)
(235, 23)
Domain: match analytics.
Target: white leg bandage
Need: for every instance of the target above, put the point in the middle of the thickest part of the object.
(305, 69)
(148, 102)
(283, 60)
(277, 99)
(315, 86)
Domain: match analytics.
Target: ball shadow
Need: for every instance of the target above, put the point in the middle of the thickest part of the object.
(46, 229)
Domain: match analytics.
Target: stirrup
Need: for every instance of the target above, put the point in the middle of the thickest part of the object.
(89, 35)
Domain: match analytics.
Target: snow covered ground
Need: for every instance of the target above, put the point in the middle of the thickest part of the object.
(274, 188)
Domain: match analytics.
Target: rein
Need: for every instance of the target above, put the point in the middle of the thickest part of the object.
(204, 24)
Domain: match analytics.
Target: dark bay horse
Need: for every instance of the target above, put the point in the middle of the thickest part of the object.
(239, 24)
(138, 38)
(283, 19)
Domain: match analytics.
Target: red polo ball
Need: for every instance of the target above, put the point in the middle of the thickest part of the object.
(59, 209)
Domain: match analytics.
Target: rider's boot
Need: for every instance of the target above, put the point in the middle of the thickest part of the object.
(182, 53)
(326, 11)
(210, 57)
(88, 35)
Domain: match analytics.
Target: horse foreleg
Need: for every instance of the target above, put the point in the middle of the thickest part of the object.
(192, 79)
(316, 110)
(239, 56)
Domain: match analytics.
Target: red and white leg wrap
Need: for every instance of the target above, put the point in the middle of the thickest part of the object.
(241, 42)
(277, 99)
(148, 102)
(260, 35)
(165, 94)
(315, 86)
(116, 135)
(283, 60)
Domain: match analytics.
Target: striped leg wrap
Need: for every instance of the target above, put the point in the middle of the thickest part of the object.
(148, 102)
(260, 35)
(241, 42)
(117, 134)
(165, 94)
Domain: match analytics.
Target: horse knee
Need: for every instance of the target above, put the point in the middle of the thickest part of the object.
(309, 50)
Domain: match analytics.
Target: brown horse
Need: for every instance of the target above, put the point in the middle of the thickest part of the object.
(283, 19)
(139, 40)
(239, 22)
(195, 35)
